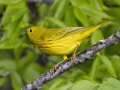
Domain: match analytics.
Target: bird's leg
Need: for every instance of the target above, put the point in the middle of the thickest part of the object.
(56, 65)
(74, 56)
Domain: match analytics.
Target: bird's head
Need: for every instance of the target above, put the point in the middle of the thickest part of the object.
(35, 32)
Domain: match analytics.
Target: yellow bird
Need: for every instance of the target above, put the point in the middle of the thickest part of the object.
(60, 41)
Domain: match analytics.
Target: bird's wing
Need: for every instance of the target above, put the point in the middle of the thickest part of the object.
(57, 33)
(72, 30)
(53, 34)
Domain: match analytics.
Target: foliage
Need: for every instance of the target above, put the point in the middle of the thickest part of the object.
(19, 55)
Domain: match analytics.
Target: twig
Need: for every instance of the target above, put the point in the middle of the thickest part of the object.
(5, 74)
(41, 1)
(108, 4)
(80, 58)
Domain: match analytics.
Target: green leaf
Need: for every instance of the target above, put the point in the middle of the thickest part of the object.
(110, 84)
(78, 2)
(17, 52)
(115, 59)
(55, 21)
(89, 79)
(81, 16)
(114, 2)
(94, 68)
(16, 81)
(96, 87)
(7, 16)
(24, 21)
(82, 85)
(13, 12)
(96, 36)
(41, 23)
(5, 2)
(10, 28)
(21, 4)
(7, 64)
(54, 5)
(97, 4)
(30, 73)
(61, 8)
(65, 87)
(2, 80)
(91, 11)
(10, 44)
(25, 62)
(42, 9)
(57, 82)
(18, 14)
(70, 19)
(108, 65)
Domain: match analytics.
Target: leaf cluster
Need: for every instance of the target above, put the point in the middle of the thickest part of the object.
(26, 62)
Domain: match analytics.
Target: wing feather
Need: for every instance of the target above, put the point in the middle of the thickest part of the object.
(59, 33)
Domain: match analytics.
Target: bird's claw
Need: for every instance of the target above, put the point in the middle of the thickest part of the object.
(73, 58)
(54, 68)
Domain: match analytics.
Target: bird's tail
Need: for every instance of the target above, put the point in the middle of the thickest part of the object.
(88, 30)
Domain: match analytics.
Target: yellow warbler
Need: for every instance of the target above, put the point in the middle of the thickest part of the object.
(60, 41)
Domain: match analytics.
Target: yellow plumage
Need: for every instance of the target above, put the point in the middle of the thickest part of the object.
(60, 41)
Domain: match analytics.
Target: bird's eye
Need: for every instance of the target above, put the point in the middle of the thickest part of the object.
(30, 30)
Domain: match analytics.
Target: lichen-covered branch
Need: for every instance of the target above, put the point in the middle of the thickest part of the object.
(3, 75)
(80, 58)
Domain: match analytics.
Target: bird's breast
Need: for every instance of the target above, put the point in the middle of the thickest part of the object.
(57, 47)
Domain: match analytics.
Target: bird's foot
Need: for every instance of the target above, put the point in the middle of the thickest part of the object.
(54, 68)
(73, 58)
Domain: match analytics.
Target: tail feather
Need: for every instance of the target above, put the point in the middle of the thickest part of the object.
(88, 30)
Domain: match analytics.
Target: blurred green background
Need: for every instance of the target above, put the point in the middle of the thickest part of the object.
(21, 57)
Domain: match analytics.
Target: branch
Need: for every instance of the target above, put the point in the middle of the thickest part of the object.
(5, 74)
(108, 4)
(80, 58)
(41, 1)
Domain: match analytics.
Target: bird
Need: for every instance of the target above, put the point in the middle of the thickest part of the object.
(60, 41)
